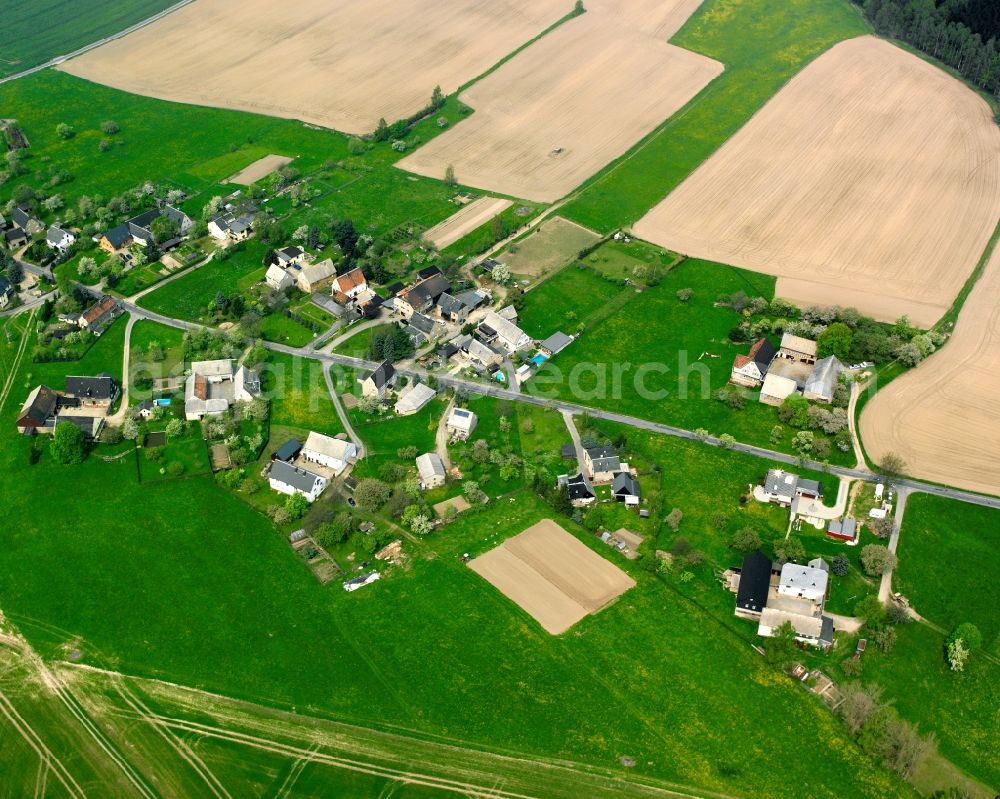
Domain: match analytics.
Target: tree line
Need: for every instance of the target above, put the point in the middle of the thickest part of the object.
(931, 28)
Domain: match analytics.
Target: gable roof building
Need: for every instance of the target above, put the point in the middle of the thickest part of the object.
(59, 239)
(414, 398)
(37, 410)
(291, 480)
(797, 348)
(214, 386)
(755, 580)
(101, 390)
(579, 489)
(350, 284)
(823, 381)
(431, 469)
(334, 453)
(603, 463)
(555, 343)
(99, 315)
(460, 423)
(508, 335)
(290, 255)
(378, 382)
(625, 488)
(277, 278)
(749, 370)
(311, 277)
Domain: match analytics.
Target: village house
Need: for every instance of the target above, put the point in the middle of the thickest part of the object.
(349, 286)
(99, 316)
(315, 276)
(625, 488)
(419, 328)
(98, 392)
(37, 410)
(58, 239)
(277, 278)
(578, 488)
(816, 381)
(796, 348)
(333, 453)
(479, 354)
(85, 404)
(215, 386)
(137, 230)
(602, 463)
(229, 226)
(291, 256)
(555, 344)
(495, 329)
(379, 382)
(749, 370)
(431, 469)
(288, 479)
(421, 296)
(452, 309)
(782, 488)
(460, 423)
(21, 218)
(14, 238)
(414, 398)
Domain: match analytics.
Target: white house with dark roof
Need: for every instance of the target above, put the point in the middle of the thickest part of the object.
(228, 226)
(602, 463)
(578, 488)
(289, 256)
(215, 386)
(507, 334)
(59, 239)
(431, 469)
(288, 479)
(460, 423)
(782, 488)
(749, 370)
(379, 382)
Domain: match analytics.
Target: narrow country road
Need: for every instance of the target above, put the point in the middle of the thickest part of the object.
(341, 412)
(441, 437)
(885, 587)
(574, 434)
(119, 416)
(852, 405)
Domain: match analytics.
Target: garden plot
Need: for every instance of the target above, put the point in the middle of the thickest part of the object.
(464, 221)
(572, 102)
(872, 179)
(549, 246)
(552, 576)
(341, 65)
(942, 416)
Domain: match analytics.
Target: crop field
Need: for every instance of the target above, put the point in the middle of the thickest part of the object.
(68, 26)
(342, 67)
(762, 43)
(465, 220)
(844, 181)
(551, 245)
(567, 105)
(941, 416)
(553, 577)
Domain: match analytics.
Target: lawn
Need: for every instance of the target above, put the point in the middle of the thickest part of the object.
(647, 354)
(189, 450)
(69, 26)
(943, 545)
(357, 345)
(383, 436)
(144, 334)
(762, 43)
(285, 330)
(298, 394)
(565, 301)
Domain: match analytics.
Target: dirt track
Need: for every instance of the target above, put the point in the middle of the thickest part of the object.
(552, 575)
(572, 102)
(465, 220)
(942, 416)
(872, 179)
(340, 65)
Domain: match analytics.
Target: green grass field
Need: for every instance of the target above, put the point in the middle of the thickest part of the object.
(34, 33)
(298, 394)
(677, 351)
(357, 345)
(566, 300)
(762, 43)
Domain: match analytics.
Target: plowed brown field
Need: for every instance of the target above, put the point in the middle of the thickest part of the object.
(341, 65)
(572, 102)
(944, 416)
(872, 179)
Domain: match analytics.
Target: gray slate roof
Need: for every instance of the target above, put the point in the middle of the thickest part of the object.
(605, 459)
(625, 485)
(297, 478)
(101, 387)
(557, 342)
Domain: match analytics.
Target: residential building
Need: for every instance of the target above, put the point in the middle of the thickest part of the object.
(6, 292)
(90, 426)
(277, 278)
(59, 239)
(625, 488)
(753, 584)
(288, 451)
(781, 488)
(414, 398)
(37, 410)
(92, 392)
(349, 286)
(452, 309)
(796, 348)
(473, 299)
(508, 312)
(215, 386)
(784, 378)
(138, 229)
(431, 469)
(497, 330)
(421, 296)
(315, 276)
(460, 423)
(98, 317)
(480, 354)
(579, 489)
(291, 256)
(822, 382)
(555, 343)
(290, 480)
(806, 582)
(15, 237)
(602, 463)
(749, 370)
(333, 453)
(379, 382)
(229, 226)
(22, 219)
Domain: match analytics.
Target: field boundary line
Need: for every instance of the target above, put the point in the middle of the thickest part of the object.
(9, 383)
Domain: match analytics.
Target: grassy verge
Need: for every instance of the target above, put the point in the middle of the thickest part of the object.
(762, 43)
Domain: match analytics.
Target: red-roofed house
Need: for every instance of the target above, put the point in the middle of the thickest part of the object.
(750, 370)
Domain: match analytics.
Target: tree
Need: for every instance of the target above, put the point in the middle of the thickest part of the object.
(64, 131)
(803, 441)
(164, 229)
(472, 492)
(110, 127)
(368, 405)
(777, 434)
(746, 539)
(301, 233)
(685, 294)
(449, 175)
(175, 428)
(501, 274)
(726, 441)
(130, 429)
(15, 273)
(780, 648)
(859, 703)
(68, 445)
(968, 634)
(885, 639)
(680, 547)
(372, 494)
(892, 464)
(957, 655)
(437, 97)
(871, 611)
(790, 549)
(674, 519)
(877, 560)
(895, 613)
(836, 340)
(840, 565)
(211, 208)
(381, 131)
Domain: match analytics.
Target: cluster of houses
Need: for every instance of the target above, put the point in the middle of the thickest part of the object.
(138, 230)
(307, 468)
(773, 594)
(233, 224)
(213, 387)
(791, 369)
(96, 317)
(804, 498)
(602, 466)
(85, 402)
(295, 267)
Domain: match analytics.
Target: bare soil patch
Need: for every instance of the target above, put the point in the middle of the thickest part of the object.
(551, 575)
(466, 220)
(458, 503)
(942, 416)
(260, 168)
(341, 65)
(872, 179)
(552, 244)
(575, 100)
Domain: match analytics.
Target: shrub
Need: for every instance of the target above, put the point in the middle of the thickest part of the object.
(840, 565)
(877, 560)
(746, 539)
(685, 294)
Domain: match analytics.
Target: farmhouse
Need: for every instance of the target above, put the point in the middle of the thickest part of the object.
(796, 348)
(277, 278)
(22, 219)
(478, 353)
(215, 386)
(460, 423)
(15, 237)
(292, 480)
(431, 468)
(37, 410)
(312, 277)
(452, 309)
(414, 398)
(379, 382)
(92, 392)
(578, 488)
(333, 453)
(349, 285)
(420, 328)
(625, 488)
(100, 315)
(752, 583)
(495, 329)
(602, 463)
(422, 295)
(84, 404)
(291, 256)
(807, 582)
(749, 370)
(231, 227)
(781, 488)
(138, 229)
(59, 239)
